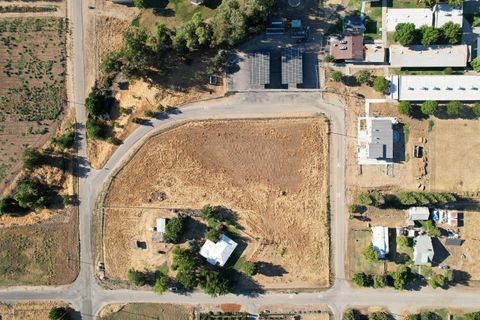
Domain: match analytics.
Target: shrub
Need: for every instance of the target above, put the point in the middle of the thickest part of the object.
(431, 230)
(95, 103)
(449, 276)
(378, 315)
(400, 277)
(328, 58)
(212, 234)
(378, 281)
(362, 279)
(32, 159)
(369, 253)
(174, 229)
(354, 208)
(405, 108)
(336, 76)
(136, 277)
(424, 198)
(476, 109)
(350, 314)
(94, 129)
(473, 316)
(112, 62)
(429, 107)
(411, 316)
(249, 268)
(58, 313)
(30, 194)
(448, 71)
(380, 84)
(475, 63)
(148, 113)
(403, 241)
(364, 76)
(453, 108)
(161, 283)
(429, 315)
(64, 141)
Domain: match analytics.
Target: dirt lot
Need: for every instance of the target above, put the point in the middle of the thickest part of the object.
(273, 173)
(146, 311)
(32, 90)
(454, 165)
(28, 310)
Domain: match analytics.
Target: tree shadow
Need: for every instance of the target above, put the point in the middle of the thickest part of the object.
(270, 270)
(157, 4)
(228, 216)
(461, 277)
(212, 4)
(164, 12)
(466, 113)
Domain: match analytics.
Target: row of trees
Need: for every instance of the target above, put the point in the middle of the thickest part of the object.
(430, 107)
(379, 83)
(405, 199)
(406, 34)
(397, 279)
(353, 314)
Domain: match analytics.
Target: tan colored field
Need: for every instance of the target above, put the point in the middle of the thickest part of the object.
(454, 157)
(146, 311)
(28, 310)
(273, 173)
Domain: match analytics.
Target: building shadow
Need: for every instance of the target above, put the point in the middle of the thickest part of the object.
(440, 252)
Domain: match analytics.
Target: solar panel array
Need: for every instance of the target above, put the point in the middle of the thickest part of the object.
(259, 68)
(292, 66)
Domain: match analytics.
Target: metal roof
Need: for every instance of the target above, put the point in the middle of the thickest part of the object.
(381, 145)
(292, 66)
(218, 253)
(417, 16)
(380, 241)
(445, 13)
(432, 56)
(259, 68)
(453, 242)
(418, 213)
(422, 250)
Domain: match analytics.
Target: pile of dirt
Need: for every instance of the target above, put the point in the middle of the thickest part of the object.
(273, 173)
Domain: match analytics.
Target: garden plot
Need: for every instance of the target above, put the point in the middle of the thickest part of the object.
(32, 86)
(272, 173)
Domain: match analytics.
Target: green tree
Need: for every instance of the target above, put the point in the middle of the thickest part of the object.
(429, 3)
(136, 277)
(65, 141)
(364, 76)
(139, 4)
(212, 234)
(373, 198)
(476, 109)
(411, 316)
(451, 32)
(186, 267)
(404, 242)
(30, 195)
(475, 63)
(362, 279)
(405, 33)
(174, 229)
(429, 107)
(429, 315)
(32, 159)
(94, 129)
(213, 283)
(378, 315)
(454, 108)
(380, 84)
(162, 37)
(192, 35)
(136, 52)
(257, 12)
(354, 208)
(449, 275)
(161, 284)
(112, 62)
(400, 277)
(437, 280)
(378, 281)
(95, 103)
(229, 24)
(455, 2)
(249, 268)
(336, 76)
(431, 230)
(350, 314)
(473, 316)
(58, 313)
(405, 107)
(369, 253)
(430, 35)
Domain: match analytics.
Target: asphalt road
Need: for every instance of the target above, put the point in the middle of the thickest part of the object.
(88, 297)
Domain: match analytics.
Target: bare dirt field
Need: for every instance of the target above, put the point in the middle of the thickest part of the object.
(454, 160)
(28, 310)
(146, 311)
(32, 89)
(273, 173)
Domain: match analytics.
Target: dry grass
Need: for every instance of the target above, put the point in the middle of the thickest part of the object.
(271, 172)
(454, 160)
(28, 310)
(146, 311)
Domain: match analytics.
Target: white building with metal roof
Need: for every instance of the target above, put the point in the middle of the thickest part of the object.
(418, 213)
(219, 252)
(422, 250)
(375, 140)
(380, 241)
(434, 87)
(444, 13)
(418, 56)
(417, 16)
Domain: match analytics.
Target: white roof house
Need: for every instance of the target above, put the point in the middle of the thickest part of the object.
(431, 87)
(445, 12)
(417, 16)
(380, 241)
(422, 250)
(418, 213)
(375, 140)
(161, 225)
(418, 56)
(218, 253)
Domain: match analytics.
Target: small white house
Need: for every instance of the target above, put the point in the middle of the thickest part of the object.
(418, 214)
(380, 241)
(161, 222)
(218, 253)
(422, 250)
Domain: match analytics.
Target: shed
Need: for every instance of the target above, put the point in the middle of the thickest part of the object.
(161, 222)
(418, 213)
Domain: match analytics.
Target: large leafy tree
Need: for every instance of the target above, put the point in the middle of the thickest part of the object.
(174, 229)
(429, 107)
(213, 283)
(229, 24)
(430, 35)
(405, 33)
(30, 195)
(58, 313)
(192, 34)
(451, 32)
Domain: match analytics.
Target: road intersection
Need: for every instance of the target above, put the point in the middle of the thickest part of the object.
(88, 297)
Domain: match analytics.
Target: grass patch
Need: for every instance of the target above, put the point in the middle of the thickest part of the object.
(431, 124)
(163, 268)
(362, 240)
(152, 311)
